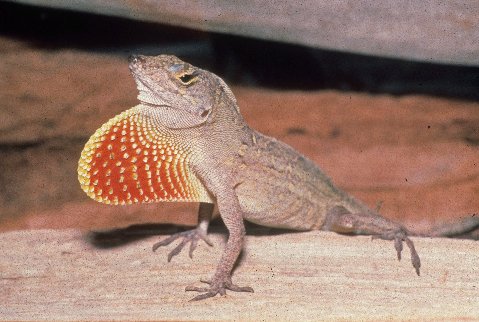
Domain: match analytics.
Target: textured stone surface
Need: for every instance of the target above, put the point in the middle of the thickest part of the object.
(430, 30)
(59, 275)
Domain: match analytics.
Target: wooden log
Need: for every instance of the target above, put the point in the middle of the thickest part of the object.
(58, 274)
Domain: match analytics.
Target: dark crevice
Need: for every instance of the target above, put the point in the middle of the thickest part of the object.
(240, 60)
(53, 29)
(273, 64)
(472, 141)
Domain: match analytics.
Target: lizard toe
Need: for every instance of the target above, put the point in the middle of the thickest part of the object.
(217, 285)
(399, 237)
(190, 236)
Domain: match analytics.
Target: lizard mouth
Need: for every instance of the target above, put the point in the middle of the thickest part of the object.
(154, 94)
(170, 115)
(147, 95)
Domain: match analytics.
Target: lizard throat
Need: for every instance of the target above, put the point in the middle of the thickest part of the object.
(129, 161)
(147, 95)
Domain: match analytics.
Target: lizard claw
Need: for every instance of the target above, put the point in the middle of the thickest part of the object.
(189, 236)
(416, 261)
(216, 286)
(340, 220)
(399, 237)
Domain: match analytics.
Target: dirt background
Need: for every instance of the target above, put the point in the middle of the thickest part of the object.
(411, 147)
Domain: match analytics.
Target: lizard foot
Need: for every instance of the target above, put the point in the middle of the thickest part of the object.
(340, 220)
(190, 236)
(399, 236)
(216, 286)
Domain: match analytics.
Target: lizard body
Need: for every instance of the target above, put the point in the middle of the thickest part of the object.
(187, 141)
(278, 187)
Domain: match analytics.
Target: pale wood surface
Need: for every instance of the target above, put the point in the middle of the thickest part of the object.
(427, 30)
(59, 274)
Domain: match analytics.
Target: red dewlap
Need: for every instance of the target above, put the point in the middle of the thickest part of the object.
(126, 161)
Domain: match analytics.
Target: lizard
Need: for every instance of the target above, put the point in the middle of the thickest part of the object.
(187, 141)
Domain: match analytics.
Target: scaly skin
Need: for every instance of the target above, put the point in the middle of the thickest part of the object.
(187, 141)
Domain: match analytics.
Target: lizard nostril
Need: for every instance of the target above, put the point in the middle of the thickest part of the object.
(132, 59)
(135, 59)
(204, 113)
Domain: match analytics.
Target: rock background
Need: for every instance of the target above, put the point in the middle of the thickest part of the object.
(401, 134)
(429, 30)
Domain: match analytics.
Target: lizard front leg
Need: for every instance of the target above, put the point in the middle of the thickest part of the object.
(232, 216)
(192, 236)
(342, 221)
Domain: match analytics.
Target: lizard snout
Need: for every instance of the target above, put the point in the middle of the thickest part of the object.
(135, 60)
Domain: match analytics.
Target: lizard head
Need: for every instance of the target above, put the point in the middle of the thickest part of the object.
(180, 94)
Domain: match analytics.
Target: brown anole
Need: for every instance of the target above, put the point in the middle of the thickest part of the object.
(187, 141)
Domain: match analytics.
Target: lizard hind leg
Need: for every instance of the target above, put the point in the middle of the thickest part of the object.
(190, 236)
(342, 221)
(216, 287)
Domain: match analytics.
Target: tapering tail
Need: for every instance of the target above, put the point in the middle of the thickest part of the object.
(466, 228)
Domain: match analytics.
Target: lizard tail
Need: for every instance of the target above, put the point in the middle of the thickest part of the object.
(467, 228)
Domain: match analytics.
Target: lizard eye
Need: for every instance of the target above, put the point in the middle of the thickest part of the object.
(188, 78)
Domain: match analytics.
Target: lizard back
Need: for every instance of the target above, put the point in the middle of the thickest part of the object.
(278, 187)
